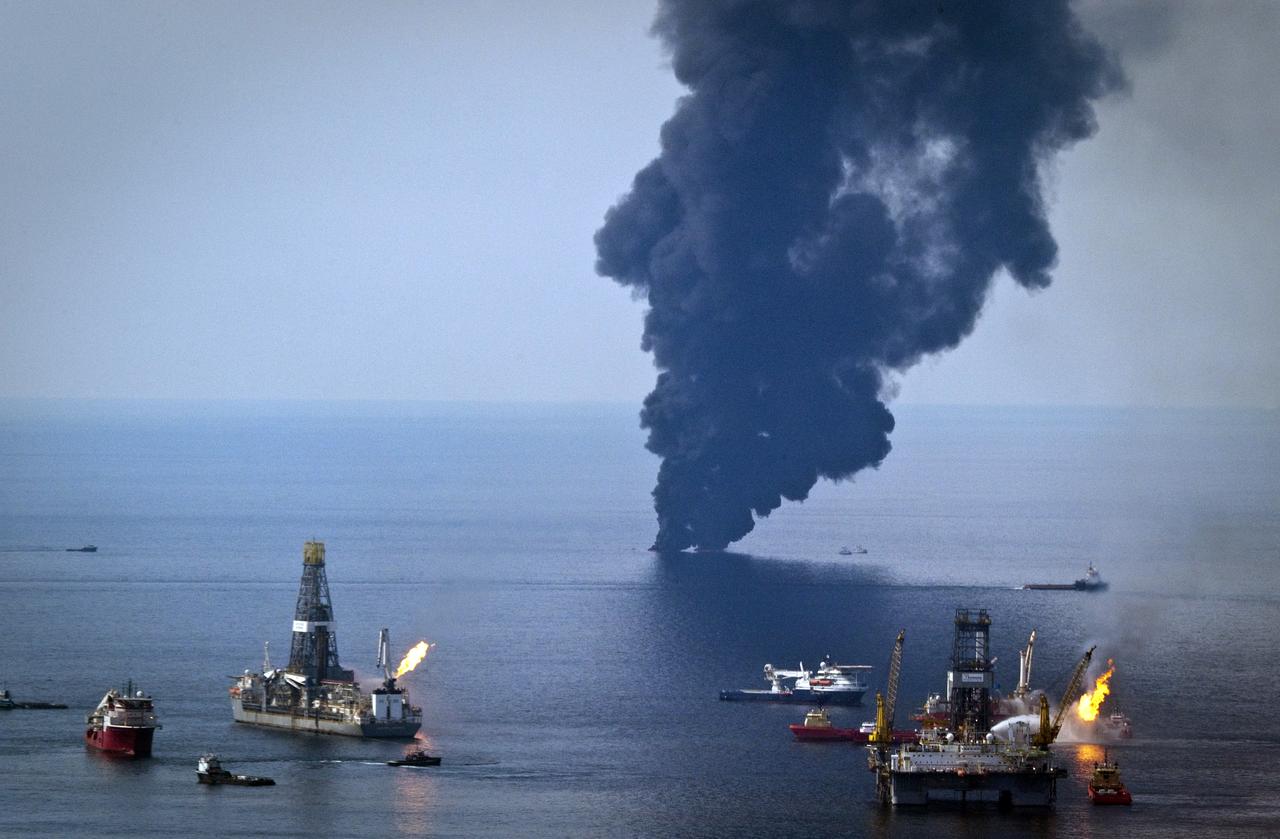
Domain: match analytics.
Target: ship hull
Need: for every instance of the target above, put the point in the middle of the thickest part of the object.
(1078, 585)
(126, 742)
(1109, 796)
(1002, 789)
(227, 779)
(796, 697)
(308, 724)
(843, 735)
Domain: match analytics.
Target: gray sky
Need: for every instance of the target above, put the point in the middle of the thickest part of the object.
(368, 201)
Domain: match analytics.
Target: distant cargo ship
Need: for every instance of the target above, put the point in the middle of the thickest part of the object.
(124, 723)
(87, 549)
(830, 684)
(7, 703)
(314, 694)
(1091, 581)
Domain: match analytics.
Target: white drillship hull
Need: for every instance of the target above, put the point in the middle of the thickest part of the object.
(311, 724)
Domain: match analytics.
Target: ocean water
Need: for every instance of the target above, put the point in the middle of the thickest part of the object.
(573, 689)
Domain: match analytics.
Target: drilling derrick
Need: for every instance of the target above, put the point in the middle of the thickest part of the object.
(314, 651)
(970, 680)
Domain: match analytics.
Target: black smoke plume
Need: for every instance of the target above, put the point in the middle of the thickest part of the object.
(833, 198)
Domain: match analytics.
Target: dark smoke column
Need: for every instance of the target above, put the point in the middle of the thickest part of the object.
(832, 200)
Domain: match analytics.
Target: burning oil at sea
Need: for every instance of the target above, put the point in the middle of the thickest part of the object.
(832, 200)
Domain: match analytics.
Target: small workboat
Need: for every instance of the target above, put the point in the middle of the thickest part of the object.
(1105, 787)
(418, 757)
(209, 771)
(87, 549)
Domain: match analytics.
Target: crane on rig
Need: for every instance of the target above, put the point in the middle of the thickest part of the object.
(1024, 668)
(887, 704)
(1049, 730)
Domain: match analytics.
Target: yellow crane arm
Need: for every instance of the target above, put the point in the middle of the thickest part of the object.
(886, 706)
(1049, 731)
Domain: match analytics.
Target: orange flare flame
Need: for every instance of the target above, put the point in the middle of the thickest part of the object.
(1091, 702)
(412, 658)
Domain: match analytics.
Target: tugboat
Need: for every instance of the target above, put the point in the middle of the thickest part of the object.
(417, 757)
(209, 771)
(831, 684)
(817, 728)
(1105, 787)
(123, 723)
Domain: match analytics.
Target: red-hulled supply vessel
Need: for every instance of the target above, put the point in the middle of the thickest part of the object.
(817, 728)
(1105, 787)
(123, 723)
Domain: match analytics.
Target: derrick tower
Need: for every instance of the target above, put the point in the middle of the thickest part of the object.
(314, 651)
(970, 680)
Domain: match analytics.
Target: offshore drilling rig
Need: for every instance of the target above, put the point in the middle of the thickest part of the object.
(314, 693)
(969, 761)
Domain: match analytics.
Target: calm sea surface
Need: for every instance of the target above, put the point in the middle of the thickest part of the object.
(573, 689)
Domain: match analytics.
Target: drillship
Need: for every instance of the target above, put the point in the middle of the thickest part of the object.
(314, 694)
(1009, 764)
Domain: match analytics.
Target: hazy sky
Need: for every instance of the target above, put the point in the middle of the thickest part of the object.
(397, 201)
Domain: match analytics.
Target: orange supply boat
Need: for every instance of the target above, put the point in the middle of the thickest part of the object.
(1105, 787)
(817, 727)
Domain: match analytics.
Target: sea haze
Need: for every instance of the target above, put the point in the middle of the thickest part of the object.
(573, 688)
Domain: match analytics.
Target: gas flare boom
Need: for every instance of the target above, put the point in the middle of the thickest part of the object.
(1091, 702)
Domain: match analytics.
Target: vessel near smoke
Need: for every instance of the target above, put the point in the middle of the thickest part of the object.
(832, 200)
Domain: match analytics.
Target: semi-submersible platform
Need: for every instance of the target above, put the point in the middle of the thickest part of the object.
(969, 760)
(314, 694)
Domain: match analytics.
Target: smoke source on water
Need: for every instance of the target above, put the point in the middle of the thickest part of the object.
(832, 200)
